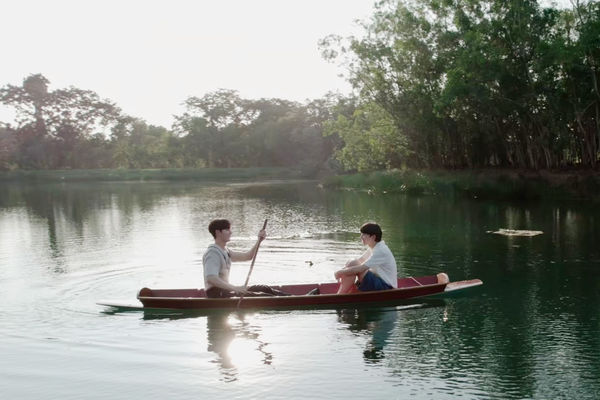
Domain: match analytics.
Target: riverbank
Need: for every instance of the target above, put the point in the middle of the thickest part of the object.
(495, 184)
(107, 175)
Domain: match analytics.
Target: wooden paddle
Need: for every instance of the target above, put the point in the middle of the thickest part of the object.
(252, 265)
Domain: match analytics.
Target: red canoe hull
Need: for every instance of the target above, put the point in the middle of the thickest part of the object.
(195, 299)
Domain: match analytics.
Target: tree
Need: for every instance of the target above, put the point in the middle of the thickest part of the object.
(396, 67)
(223, 130)
(8, 147)
(218, 110)
(139, 145)
(371, 141)
(51, 123)
(475, 83)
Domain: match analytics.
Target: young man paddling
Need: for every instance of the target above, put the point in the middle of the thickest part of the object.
(375, 270)
(217, 261)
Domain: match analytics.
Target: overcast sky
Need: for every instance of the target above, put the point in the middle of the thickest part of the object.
(149, 56)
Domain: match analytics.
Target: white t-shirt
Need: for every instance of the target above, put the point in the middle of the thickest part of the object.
(381, 261)
(216, 261)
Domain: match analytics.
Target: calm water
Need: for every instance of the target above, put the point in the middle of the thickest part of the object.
(532, 330)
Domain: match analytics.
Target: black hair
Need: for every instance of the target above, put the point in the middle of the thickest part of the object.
(371, 228)
(218, 225)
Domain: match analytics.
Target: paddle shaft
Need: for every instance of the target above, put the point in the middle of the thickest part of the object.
(252, 263)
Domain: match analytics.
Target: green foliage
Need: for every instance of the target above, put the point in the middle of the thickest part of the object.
(482, 83)
(493, 184)
(439, 84)
(8, 148)
(72, 128)
(53, 125)
(170, 174)
(391, 181)
(223, 130)
(370, 139)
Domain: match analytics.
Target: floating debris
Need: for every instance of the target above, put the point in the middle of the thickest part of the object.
(515, 232)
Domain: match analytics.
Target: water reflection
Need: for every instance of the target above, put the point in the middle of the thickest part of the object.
(231, 335)
(378, 324)
(219, 336)
(537, 311)
(375, 323)
(235, 341)
(235, 337)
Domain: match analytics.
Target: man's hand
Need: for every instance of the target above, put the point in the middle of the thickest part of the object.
(262, 235)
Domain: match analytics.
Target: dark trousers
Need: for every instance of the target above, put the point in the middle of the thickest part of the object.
(257, 290)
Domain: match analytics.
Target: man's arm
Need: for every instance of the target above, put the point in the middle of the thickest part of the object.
(359, 261)
(347, 271)
(354, 267)
(248, 255)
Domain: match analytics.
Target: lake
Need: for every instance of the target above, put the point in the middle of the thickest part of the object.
(531, 331)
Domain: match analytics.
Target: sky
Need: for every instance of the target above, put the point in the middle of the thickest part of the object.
(149, 56)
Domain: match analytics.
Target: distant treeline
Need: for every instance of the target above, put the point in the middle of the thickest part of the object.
(438, 83)
(75, 129)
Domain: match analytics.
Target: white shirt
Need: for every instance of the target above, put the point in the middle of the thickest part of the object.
(216, 261)
(381, 261)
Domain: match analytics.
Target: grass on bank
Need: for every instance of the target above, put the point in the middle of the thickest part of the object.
(495, 184)
(202, 174)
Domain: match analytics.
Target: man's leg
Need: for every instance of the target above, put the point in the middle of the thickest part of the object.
(267, 290)
(347, 284)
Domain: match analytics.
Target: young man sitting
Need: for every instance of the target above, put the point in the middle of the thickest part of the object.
(374, 270)
(217, 261)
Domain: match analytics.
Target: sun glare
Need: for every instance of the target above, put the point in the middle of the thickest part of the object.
(247, 349)
(244, 352)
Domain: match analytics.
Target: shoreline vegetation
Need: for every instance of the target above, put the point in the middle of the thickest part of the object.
(488, 99)
(496, 184)
(142, 175)
(482, 184)
(436, 85)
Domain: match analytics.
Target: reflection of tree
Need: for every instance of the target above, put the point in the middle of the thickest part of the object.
(76, 202)
(543, 326)
(80, 207)
(538, 307)
(41, 203)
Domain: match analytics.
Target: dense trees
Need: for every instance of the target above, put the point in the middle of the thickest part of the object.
(370, 139)
(225, 130)
(53, 125)
(73, 128)
(439, 83)
(475, 83)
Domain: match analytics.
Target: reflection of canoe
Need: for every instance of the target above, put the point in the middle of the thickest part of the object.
(195, 299)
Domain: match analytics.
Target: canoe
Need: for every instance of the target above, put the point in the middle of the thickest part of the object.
(195, 299)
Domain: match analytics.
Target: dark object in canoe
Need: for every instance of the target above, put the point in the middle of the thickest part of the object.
(195, 299)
